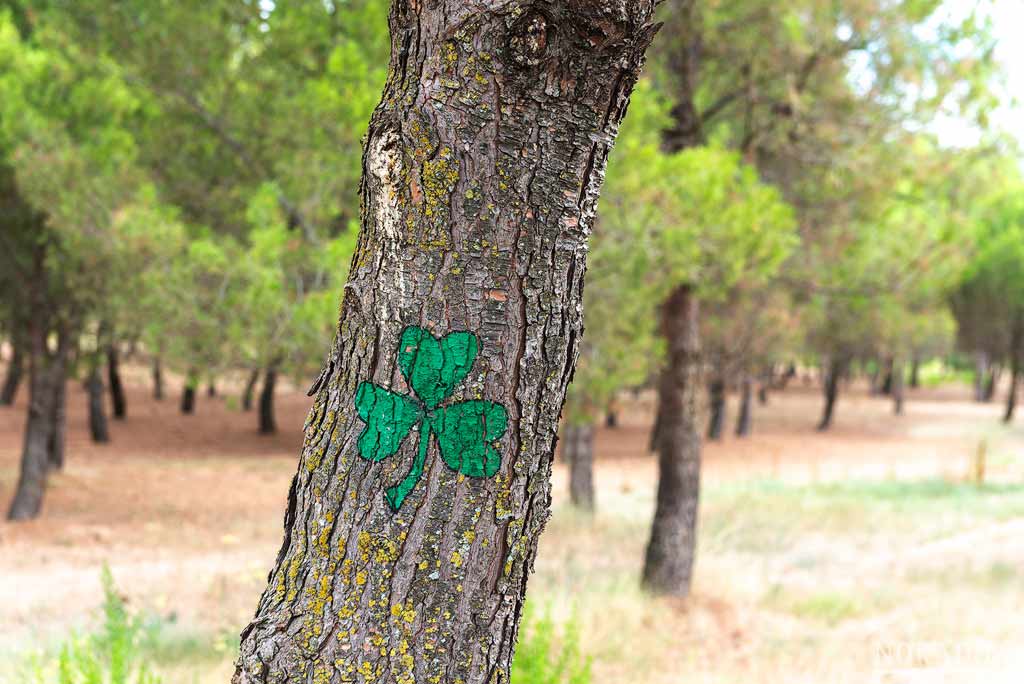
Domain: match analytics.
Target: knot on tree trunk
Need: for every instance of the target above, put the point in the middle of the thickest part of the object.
(529, 40)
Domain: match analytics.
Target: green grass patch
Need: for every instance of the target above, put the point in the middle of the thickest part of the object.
(767, 516)
(827, 607)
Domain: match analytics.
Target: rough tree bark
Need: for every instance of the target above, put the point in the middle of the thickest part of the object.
(481, 172)
(15, 370)
(250, 389)
(744, 420)
(671, 551)
(579, 450)
(98, 428)
(716, 406)
(118, 402)
(836, 368)
(268, 425)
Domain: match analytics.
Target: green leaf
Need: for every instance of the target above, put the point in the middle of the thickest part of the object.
(432, 367)
(388, 416)
(466, 433)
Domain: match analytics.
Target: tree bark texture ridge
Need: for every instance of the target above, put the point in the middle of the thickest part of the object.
(481, 174)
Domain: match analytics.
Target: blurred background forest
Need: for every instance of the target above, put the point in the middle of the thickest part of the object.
(829, 186)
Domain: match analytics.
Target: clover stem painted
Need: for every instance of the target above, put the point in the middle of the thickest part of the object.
(396, 495)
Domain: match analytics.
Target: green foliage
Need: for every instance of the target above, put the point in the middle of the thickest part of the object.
(699, 216)
(110, 655)
(547, 655)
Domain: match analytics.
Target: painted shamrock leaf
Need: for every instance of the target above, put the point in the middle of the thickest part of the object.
(466, 432)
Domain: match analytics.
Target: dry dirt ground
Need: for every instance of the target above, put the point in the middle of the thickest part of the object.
(854, 556)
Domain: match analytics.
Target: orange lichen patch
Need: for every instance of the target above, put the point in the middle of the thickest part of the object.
(497, 295)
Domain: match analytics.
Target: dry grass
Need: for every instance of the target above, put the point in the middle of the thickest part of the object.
(823, 558)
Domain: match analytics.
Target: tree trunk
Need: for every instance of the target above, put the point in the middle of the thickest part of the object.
(58, 433)
(767, 382)
(915, 373)
(832, 377)
(875, 381)
(211, 390)
(250, 389)
(15, 370)
(716, 407)
(898, 371)
(744, 420)
(158, 379)
(655, 440)
(668, 562)
(1011, 395)
(268, 425)
(887, 377)
(118, 403)
(980, 370)
(98, 428)
(46, 373)
(188, 394)
(580, 453)
(1016, 341)
(994, 371)
(611, 418)
(424, 479)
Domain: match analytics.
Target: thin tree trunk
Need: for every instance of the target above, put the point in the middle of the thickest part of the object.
(268, 425)
(580, 452)
(832, 377)
(98, 428)
(158, 379)
(15, 370)
(915, 373)
(611, 417)
(1016, 342)
(1011, 396)
(250, 389)
(211, 390)
(58, 433)
(188, 393)
(743, 422)
(46, 372)
(767, 382)
(887, 377)
(980, 370)
(424, 479)
(118, 402)
(994, 371)
(669, 559)
(898, 372)
(655, 440)
(716, 406)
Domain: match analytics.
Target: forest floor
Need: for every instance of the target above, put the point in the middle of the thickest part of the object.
(864, 554)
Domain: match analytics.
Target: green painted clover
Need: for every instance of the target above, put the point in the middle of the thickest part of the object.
(466, 431)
